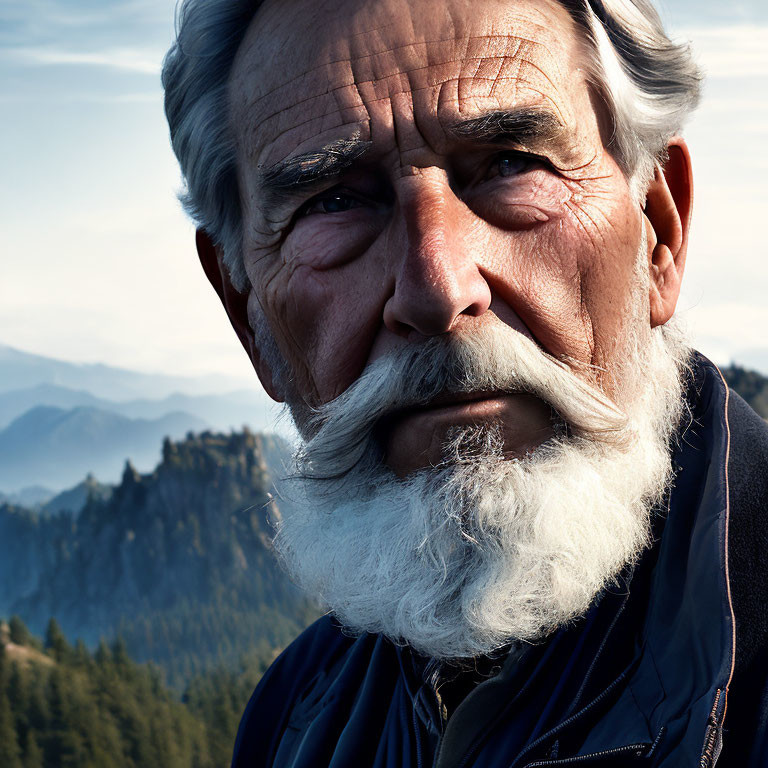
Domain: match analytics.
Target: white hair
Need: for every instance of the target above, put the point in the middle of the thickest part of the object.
(648, 83)
(460, 559)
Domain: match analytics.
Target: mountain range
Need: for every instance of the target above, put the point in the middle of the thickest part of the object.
(176, 561)
(221, 411)
(23, 370)
(60, 421)
(56, 446)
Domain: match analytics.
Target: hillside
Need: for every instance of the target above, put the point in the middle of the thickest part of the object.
(177, 561)
(67, 707)
(74, 499)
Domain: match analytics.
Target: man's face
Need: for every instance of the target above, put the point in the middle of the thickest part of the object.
(411, 168)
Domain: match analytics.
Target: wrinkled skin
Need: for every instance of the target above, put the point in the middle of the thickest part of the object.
(432, 232)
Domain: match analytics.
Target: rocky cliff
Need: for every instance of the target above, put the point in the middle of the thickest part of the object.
(177, 561)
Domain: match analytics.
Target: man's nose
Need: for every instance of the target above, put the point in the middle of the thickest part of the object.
(437, 280)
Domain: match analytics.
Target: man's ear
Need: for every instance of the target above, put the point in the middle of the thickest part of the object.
(235, 305)
(668, 207)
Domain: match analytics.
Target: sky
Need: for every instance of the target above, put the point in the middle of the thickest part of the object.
(98, 262)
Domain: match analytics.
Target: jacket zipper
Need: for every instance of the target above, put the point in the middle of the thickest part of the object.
(710, 753)
(464, 762)
(572, 719)
(636, 750)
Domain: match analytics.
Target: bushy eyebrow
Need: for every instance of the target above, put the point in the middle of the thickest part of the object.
(532, 127)
(292, 177)
(297, 176)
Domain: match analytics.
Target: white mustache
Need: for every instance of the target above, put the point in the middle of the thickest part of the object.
(493, 357)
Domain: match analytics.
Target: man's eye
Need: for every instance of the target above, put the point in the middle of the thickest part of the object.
(511, 164)
(336, 202)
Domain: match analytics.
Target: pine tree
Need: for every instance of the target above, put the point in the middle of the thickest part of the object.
(120, 656)
(64, 746)
(81, 657)
(17, 690)
(10, 754)
(37, 711)
(103, 656)
(55, 641)
(19, 633)
(33, 755)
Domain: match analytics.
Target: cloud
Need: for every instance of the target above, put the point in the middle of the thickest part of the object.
(731, 52)
(741, 325)
(126, 59)
(40, 15)
(64, 97)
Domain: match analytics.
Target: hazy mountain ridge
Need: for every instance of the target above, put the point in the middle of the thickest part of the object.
(23, 370)
(74, 499)
(60, 421)
(55, 448)
(221, 411)
(177, 560)
(47, 502)
(30, 497)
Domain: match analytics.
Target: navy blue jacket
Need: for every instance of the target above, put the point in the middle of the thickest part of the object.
(668, 670)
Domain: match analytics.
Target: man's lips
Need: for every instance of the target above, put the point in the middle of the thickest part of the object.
(452, 399)
(415, 437)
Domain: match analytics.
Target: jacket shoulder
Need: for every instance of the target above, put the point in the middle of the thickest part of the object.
(748, 502)
(748, 528)
(310, 655)
(749, 443)
(747, 721)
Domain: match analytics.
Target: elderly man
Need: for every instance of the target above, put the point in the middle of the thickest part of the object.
(450, 236)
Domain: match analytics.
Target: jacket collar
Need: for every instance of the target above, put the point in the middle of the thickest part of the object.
(676, 690)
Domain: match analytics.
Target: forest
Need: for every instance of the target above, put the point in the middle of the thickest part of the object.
(63, 706)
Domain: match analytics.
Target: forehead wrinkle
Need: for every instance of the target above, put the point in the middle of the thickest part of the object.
(467, 77)
(487, 37)
(301, 106)
(491, 79)
(524, 59)
(351, 111)
(323, 67)
(266, 35)
(345, 61)
(359, 81)
(371, 101)
(490, 46)
(516, 79)
(483, 59)
(345, 94)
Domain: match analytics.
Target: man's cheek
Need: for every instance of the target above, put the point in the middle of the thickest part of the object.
(539, 266)
(541, 275)
(331, 319)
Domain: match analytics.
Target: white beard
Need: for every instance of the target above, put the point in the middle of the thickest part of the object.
(460, 559)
